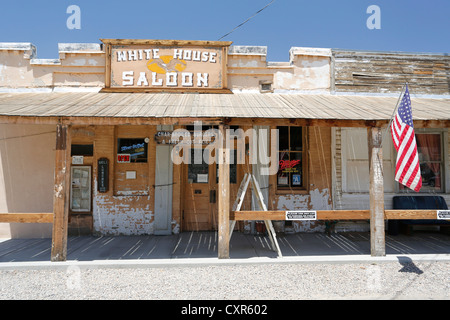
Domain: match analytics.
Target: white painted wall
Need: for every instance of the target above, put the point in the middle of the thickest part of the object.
(26, 176)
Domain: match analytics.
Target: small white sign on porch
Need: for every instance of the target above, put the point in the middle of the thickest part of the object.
(77, 159)
(443, 214)
(301, 215)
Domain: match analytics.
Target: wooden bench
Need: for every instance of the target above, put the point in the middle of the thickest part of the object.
(406, 226)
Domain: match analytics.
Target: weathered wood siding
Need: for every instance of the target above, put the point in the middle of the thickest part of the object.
(383, 72)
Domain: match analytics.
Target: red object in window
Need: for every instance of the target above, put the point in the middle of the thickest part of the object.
(123, 158)
(288, 164)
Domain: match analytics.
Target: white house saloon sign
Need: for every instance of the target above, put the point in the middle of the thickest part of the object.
(165, 65)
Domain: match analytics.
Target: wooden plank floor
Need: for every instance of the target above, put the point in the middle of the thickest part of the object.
(204, 245)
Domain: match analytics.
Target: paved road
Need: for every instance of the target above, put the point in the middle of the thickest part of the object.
(292, 281)
(185, 267)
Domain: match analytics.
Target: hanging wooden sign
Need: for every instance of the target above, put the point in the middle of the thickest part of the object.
(103, 175)
(166, 65)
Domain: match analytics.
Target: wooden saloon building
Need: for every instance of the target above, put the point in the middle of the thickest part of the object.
(87, 145)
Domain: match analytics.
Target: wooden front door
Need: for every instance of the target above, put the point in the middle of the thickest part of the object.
(200, 194)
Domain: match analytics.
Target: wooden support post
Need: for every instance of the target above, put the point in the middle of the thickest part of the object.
(224, 196)
(376, 192)
(61, 194)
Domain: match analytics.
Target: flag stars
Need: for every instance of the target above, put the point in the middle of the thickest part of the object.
(405, 109)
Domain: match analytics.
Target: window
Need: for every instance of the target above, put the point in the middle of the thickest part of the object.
(233, 167)
(135, 147)
(429, 147)
(291, 158)
(195, 169)
(353, 173)
(265, 86)
(131, 170)
(86, 150)
(80, 189)
(198, 172)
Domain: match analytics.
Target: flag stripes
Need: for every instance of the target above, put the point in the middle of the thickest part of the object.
(407, 170)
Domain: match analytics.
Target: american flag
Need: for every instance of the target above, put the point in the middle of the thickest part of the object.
(407, 170)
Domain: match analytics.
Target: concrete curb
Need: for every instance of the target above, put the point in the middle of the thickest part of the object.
(205, 262)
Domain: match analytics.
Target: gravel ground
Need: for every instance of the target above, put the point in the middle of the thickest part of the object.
(421, 280)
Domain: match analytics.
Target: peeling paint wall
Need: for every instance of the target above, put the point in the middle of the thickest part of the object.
(122, 215)
(120, 210)
(317, 195)
(114, 213)
(78, 66)
(82, 66)
(308, 70)
(315, 200)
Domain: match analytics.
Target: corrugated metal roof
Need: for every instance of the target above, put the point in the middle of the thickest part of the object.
(238, 105)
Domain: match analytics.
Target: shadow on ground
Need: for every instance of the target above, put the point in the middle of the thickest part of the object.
(204, 245)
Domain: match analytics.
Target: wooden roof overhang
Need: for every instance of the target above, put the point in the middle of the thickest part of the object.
(234, 109)
(65, 109)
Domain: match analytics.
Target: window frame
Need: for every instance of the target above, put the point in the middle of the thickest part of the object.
(130, 138)
(390, 185)
(141, 184)
(444, 163)
(304, 164)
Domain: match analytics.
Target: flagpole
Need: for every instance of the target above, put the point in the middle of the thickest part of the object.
(393, 113)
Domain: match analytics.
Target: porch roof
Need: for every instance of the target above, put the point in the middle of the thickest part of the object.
(238, 105)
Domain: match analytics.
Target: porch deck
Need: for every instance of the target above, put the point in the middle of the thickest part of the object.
(204, 245)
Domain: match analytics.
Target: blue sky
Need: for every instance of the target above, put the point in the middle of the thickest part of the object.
(406, 25)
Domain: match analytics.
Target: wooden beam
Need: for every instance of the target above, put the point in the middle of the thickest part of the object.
(26, 217)
(61, 194)
(96, 120)
(281, 215)
(194, 43)
(257, 215)
(224, 196)
(410, 214)
(376, 193)
(107, 65)
(337, 215)
(165, 90)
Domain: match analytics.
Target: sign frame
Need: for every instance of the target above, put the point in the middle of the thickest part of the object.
(289, 214)
(223, 47)
(443, 215)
